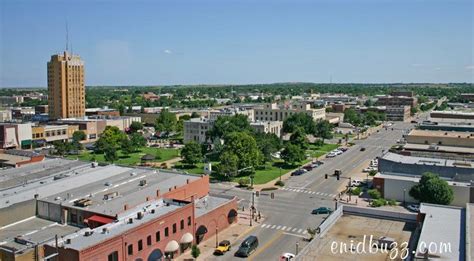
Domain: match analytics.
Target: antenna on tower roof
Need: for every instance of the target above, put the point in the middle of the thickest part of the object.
(67, 36)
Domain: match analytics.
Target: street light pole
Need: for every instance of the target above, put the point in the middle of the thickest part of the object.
(251, 208)
(217, 240)
(280, 173)
(297, 245)
(404, 191)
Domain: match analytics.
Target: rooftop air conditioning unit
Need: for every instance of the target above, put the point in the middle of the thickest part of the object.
(139, 215)
(105, 230)
(68, 241)
(130, 220)
(88, 233)
(111, 195)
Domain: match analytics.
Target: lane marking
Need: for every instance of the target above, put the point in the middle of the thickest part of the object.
(268, 244)
(295, 235)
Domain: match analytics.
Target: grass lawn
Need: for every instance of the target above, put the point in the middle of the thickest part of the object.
(197, 169)
(270, 171)
(133, 158)
(316, 151)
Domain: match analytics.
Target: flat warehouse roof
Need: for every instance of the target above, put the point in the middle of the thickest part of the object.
(441, 134)
(126, 185)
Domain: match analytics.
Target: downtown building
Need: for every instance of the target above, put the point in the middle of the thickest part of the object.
(66, 89)
(279, 112)
(72, 210)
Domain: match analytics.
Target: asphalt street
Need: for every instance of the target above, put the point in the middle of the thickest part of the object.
(288, 215)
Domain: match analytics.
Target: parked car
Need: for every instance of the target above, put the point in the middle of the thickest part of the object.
(223, 247)
(314, 165)
(318, 162)
(331, 155)
(362, 149)
(308, 167)
(414, 207)
(343, 149)
(369, 169)
(287, 257)
(414, 122)
(321, 210)
(298, 172)
(355, 183)
(247, 247)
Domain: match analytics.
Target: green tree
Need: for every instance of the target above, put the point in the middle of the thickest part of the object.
(137, 140)
(195, 251)
(228, 165)
(112, 136)
(268, 143)
(302, 120)
(228, 124)
(166, 121)
(127, 147)
(191, 153)
(323, 129)
(79, 135)
(352, 117)
(244, 146)
(110, 154)
(298, 137)
(136, 126)
(292, 154)
(62, 147)
(432, 189)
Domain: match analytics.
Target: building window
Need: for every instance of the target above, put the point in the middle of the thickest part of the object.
(113, 256)
(174, 228)
(140, 245)
(130, 249)
(157, 236)
(189, 221)
(148, 240)
(167, 231)
(181, 224)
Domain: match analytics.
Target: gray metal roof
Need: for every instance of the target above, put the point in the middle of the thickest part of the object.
(443, 224)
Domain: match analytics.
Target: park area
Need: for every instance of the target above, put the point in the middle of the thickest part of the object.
(267, 172)
(131, 159)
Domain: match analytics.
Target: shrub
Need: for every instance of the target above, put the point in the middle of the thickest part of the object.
(379, 202)
(280, 183)
(373, 172)
(374, 193)
(392, 202)
(195, 251)
(244, 182)
(356, 191)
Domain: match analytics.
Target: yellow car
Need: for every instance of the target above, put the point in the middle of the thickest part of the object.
(223, 247)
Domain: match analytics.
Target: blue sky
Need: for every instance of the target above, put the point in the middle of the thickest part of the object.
(216, 42)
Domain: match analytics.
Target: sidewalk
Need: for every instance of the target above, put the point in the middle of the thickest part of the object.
(233, 233)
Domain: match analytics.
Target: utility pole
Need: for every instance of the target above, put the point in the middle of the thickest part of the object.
(252, 208)
(280, 173)
(217, 240)
(297, 245)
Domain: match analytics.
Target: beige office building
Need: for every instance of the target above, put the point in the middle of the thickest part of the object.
(279, 112)
(66, 92)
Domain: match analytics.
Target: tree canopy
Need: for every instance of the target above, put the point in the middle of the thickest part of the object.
(302, 120)
(323, 129)
(166, 121)
(191, 153)
(112, 136)
(228, 124)
(292, 154)
(432, 189)
(242, 146)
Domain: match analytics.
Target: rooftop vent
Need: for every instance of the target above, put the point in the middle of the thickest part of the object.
(139, 215)
(105, 230)
(130, 220)
(68, 241)
(88, 233)
(21, 240)
(83, 202)
(111, 195)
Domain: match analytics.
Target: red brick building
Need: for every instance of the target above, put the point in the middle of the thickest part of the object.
(162, 224)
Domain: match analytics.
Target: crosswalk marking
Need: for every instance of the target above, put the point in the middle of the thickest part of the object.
(273, 226)
(283, 228)
(264, 225)
(278, 227)
(305, 232)
(294, 229)
(309, 192)
(286, 229)
(300, 230)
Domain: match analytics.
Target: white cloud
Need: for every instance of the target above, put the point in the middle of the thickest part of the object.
(470, 67)
(417, 64)
(167, 51)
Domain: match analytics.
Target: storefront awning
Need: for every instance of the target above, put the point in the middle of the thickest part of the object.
(172, 246)
(100, 219)
(186, 238)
